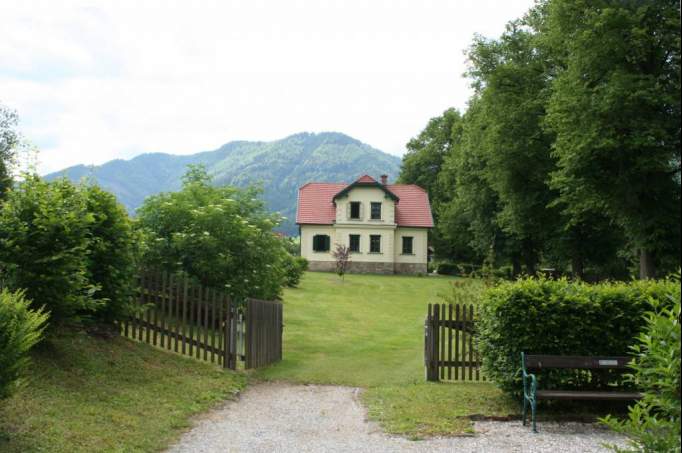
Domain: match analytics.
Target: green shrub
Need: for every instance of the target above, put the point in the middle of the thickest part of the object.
(541, 316)
(71, 247)
(44, 243)
(294, 267)
(465, 292)
(111, 254)
(431, 267)
(220, 236)
(447, 269)
(654, 421)
(292, 245)
(20, 329)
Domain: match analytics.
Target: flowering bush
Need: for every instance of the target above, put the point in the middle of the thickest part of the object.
(221, 236)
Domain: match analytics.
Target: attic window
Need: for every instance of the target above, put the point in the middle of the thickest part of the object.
(321, 243)
(354, 210)
(376, 210)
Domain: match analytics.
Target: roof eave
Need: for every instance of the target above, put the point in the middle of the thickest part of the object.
(343, 192)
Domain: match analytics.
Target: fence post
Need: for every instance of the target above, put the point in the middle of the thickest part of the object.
(227, 357)
(431, 346)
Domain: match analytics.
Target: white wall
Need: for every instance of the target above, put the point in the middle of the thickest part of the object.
(419, 245)
(343, 233)
(391, 242)
(366, 195)
(307, 233)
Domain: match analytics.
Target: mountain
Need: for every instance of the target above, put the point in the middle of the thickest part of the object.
(281, 166)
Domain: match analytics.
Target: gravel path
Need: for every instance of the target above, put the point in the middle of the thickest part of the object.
(278, 417)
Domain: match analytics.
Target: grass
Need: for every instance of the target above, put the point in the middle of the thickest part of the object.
(90, 394)
(367, 331)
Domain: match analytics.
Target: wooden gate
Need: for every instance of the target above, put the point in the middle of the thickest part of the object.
(264, 326)
(449, 348)
(176, 314)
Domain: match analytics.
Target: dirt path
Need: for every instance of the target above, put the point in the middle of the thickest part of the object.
(278, 417)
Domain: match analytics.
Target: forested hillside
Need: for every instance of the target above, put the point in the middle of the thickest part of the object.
(280, 166)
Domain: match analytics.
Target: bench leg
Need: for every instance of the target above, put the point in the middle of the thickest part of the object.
(525, 405)
(533, 407)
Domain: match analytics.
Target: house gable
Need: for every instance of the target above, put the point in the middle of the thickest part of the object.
(317, 202)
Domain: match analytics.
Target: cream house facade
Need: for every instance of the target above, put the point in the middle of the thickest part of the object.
(385, 226)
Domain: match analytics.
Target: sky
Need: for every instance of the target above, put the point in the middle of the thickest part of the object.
(99, 80)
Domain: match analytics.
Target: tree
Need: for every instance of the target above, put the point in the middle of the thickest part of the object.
(422, 165)
(615, 110)
(220, 236)
(510, 78)
(9, 142)
(342, 256)
(425, 153)
(467, 222)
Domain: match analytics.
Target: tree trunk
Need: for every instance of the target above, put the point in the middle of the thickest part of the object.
(577, 266)
(530, 259)
(647, 268)
(516, 266)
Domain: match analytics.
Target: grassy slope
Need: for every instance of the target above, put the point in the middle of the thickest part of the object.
(367, 331)
(89, 394)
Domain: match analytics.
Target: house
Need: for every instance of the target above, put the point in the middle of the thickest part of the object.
(384, 225)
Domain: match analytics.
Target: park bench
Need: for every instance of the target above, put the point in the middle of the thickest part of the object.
(531, 394)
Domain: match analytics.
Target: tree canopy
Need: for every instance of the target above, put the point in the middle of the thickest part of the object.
(569, 153)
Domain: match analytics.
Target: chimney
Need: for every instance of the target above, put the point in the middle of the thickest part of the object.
(384, 179)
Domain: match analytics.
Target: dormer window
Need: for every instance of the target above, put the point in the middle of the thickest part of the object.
(355, 210)
(376, 210)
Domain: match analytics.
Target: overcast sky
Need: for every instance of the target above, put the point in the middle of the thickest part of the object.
(93, 81)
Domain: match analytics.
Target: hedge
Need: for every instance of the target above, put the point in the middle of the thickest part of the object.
(542, 316)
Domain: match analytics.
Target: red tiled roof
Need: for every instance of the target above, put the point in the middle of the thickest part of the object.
(366, 178)
(414, 208)
(316, 206)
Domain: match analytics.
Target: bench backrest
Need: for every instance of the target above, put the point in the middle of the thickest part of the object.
(538, 362)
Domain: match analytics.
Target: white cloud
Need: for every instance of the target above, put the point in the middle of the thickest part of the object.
(97, 81)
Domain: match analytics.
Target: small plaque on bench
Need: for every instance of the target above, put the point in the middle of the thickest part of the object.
(608, 363)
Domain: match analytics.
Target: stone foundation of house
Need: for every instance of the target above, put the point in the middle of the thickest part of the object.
(360, 267)
(411, 268)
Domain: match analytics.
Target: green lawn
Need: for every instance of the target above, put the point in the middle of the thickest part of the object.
(88, 394)
(367, 331)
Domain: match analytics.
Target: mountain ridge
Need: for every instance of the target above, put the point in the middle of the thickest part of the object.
(281, 166)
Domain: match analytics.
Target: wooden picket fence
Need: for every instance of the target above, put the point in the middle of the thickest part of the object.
(449, 348)
(187, 318)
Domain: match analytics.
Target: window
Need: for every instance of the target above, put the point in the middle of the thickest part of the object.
(354, 210)
(354, 243)
(376, 210)
(407, 245)
(321, 243)
(374, 243)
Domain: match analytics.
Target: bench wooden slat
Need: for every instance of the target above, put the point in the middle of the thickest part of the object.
(538, 362)
(587, 395)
